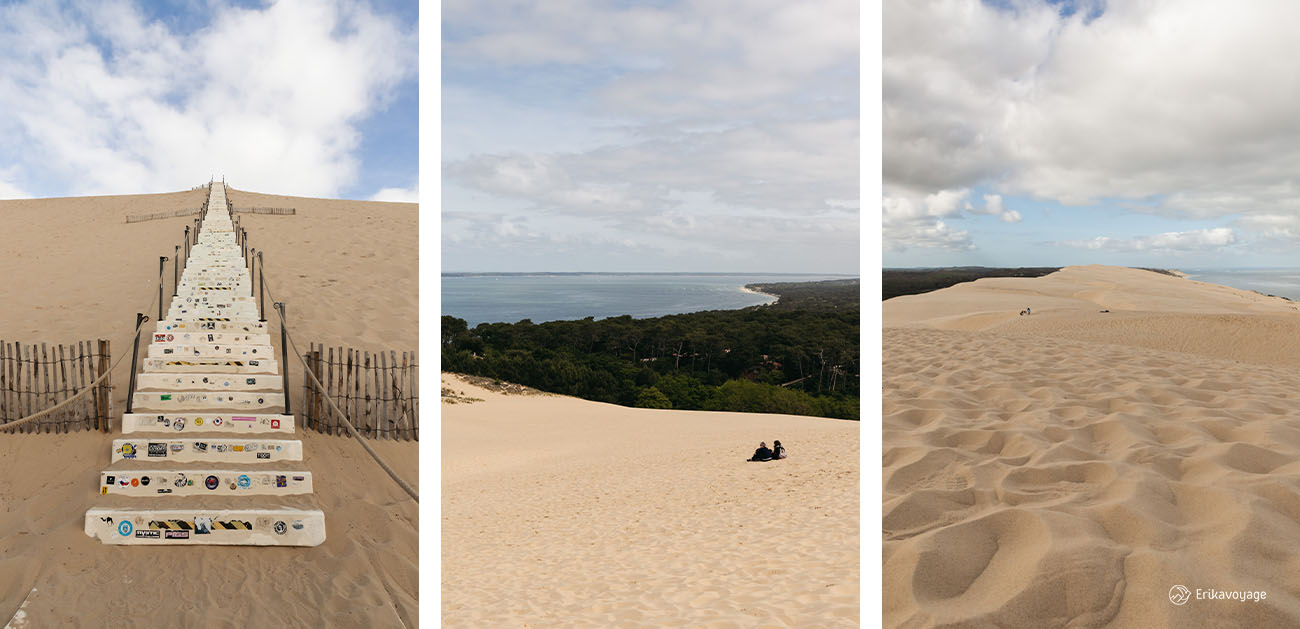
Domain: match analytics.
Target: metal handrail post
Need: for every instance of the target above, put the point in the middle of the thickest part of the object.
(176, 272)
(162, 260)
(261, 279)
(284, 356)
(135, 353)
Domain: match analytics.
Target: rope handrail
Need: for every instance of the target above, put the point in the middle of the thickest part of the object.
(346, 422)
(89, 387)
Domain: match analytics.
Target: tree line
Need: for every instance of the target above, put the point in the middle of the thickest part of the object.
(769, 359)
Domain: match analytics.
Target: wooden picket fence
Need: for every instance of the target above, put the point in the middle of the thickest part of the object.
(34, 378)
(378, 392)
(140, 218)
(282, 211)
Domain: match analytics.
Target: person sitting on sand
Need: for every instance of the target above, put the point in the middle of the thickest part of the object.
(762, 453)
(778, 450)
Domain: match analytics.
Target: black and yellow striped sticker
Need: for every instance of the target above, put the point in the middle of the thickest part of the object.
(172, 525)
(233, 525)
(213, 318)
(187, 363)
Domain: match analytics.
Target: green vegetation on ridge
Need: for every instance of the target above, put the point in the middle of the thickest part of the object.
(780, 358)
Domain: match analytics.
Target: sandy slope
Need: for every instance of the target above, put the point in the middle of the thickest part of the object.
(75, 270)
(562, 512)
(1070, 467)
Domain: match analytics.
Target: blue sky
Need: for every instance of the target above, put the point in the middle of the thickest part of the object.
(300, 97)
(667, 136)
(1020, 132)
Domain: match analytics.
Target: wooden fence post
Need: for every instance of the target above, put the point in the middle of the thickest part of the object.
(415, 396)
(106, 387)
(329, 383)
(317, 369)
(305, 409)
(4, 386)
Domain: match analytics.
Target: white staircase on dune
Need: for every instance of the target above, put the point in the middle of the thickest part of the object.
(209, 396)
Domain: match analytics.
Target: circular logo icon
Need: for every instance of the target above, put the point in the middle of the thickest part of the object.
(124, 527)
(180, 482)
(1179, 595)
(179, 424)
(211, 482)
(135, 482)
(216, 422)
(244, 481)
(280, 528)
(198, 421)
(144, 480)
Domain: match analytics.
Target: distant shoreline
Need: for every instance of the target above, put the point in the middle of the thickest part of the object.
(626, 273)
(775, 298)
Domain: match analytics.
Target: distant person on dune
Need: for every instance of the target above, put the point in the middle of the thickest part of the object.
(762, 453)
(778, 450)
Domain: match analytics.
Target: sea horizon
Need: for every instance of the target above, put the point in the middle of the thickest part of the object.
(503, 297)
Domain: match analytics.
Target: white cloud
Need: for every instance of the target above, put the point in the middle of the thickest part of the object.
(789, 166)
(708, 129)
(1185, 106)
(1171, 242)
(271, 98)
(399, 195)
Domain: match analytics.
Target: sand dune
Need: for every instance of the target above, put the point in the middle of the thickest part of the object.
(75, 270)
(1070, 467)
(562, 512)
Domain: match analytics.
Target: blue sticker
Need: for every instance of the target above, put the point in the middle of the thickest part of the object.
(124, 528)
(244, 481)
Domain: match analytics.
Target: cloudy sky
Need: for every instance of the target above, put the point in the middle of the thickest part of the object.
(1160, 133)
(585, 135)
(303, 97)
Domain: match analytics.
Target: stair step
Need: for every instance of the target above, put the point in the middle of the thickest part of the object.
(239, 527)
(215, 338)
(163, 401)
(219, 449)
(206, 382)
(210, 350)
(198, 482)
(203, 312)
(211, 297)
(195, 325)
(208, 422)
(210, 365)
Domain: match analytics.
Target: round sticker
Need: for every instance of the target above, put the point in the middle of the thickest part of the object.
(135, 482)
(124, 527)
(244, 481)
(144, 480)
(280, 528)
(211, 482)
(216, 422)
(198, 421)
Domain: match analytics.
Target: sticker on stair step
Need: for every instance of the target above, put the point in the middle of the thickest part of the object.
(208, 449)
(195, 482)
(252, 527)
(207, 423)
